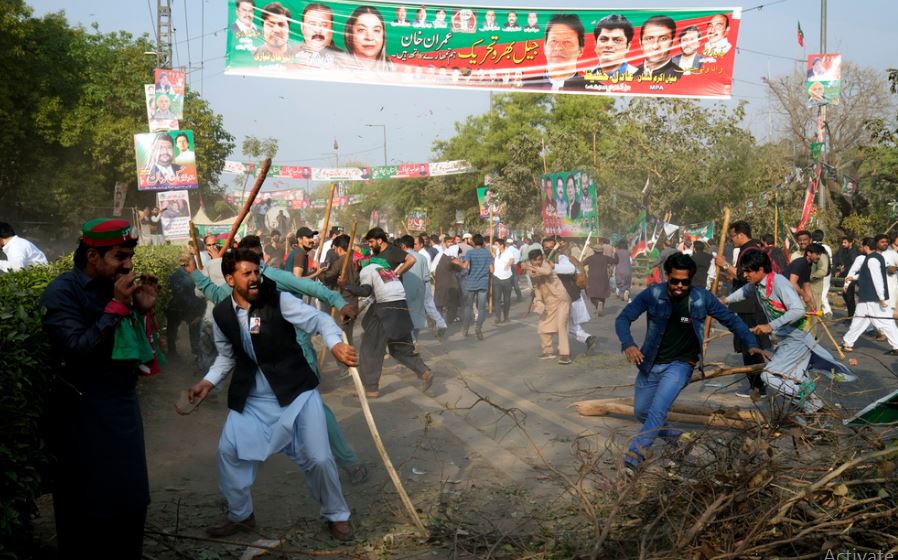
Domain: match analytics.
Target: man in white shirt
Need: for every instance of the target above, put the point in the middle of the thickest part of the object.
(872, 290)
(503, 276)
(19, 251)
(890, 255)
(429, 306)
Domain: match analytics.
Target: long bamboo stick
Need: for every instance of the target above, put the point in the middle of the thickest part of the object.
(618, 408)
(721, 245)
(327, 221)
(196, 245)
(489, 285)
(388, 464)
(260, 178)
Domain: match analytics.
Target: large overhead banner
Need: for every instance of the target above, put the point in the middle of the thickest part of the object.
(655, 52)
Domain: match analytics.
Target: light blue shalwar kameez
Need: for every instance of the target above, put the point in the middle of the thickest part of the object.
(264, 428)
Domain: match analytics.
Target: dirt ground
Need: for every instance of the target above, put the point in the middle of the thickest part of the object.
(474, 452)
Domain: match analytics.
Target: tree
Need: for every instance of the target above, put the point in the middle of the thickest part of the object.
(72, 102)
(852, 130)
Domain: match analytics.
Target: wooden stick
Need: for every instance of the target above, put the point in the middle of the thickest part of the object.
(585, 245)
(372, 427)
(721, 245)
(822, 323)
(327, 221)
(196, 244)
(260, 178)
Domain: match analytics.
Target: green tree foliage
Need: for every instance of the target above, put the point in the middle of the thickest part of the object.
(72, 101)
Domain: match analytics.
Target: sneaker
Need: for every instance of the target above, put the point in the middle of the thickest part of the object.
(564, 360)
(749, 393)
(591, 343)
(548, 356)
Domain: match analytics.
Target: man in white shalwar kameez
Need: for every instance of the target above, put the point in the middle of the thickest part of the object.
(273, 395)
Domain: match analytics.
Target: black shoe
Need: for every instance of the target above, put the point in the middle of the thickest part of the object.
(441, 334)
(229, 527)
(466, 333)
(893, 352)
(479, 334)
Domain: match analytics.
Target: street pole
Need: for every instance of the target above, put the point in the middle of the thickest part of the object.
(821, 135)
(384, 127)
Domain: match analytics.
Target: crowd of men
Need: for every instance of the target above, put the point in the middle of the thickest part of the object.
(273, 305)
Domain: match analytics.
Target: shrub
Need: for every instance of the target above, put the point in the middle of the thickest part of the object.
(24, 382)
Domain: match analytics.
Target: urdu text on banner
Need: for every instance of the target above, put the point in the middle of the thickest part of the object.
(680, 52)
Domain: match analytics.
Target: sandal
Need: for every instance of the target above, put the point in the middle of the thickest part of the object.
(847, 349)
(372, 394)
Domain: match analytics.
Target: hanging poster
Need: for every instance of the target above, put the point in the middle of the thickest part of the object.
(416, 220)
(569, 204)
(160, 123)
(174, 208)
(824, 79)
(170, 93)
(118, 198)
(657, 52)
(488, 201)
(165, 160)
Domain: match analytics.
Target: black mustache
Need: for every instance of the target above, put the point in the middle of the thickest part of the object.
(318, 37)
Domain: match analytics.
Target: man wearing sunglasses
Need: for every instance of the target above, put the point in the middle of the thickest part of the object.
(672, 347)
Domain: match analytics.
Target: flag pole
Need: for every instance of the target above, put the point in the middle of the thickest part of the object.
(721, 245)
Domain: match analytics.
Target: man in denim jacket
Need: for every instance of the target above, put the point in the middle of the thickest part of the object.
(672, 348)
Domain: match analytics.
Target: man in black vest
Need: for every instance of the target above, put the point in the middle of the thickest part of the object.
(873, 300)
(273, 396)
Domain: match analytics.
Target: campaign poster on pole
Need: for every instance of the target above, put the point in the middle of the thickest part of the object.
(416, 220)
(569, 204)
(824, 83)
(118, 198)
(165, 160)
(488, 200)
(680, 52)
(170, 89)
(174, 208)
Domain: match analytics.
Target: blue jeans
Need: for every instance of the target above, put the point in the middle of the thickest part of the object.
(480, 296)
(655, 393)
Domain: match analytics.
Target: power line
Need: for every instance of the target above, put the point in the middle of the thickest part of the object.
(201, 36)
(187, 31)
(152, 23)
(738, 48)
(762, 6)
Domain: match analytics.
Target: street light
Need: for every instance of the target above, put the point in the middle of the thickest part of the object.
(383, 126)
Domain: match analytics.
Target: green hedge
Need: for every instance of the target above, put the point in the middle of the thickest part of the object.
(24, 383)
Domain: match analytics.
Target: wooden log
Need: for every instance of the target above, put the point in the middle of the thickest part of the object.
(678, 407)
(618, 408)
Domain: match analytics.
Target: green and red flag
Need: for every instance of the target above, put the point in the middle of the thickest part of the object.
(800, 35)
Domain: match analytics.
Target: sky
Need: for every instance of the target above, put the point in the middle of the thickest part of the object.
(306, 117)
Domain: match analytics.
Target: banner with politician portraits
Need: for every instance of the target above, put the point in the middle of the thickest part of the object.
(569, 204)
(824, 79)
(680, 52)
(165, 161)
